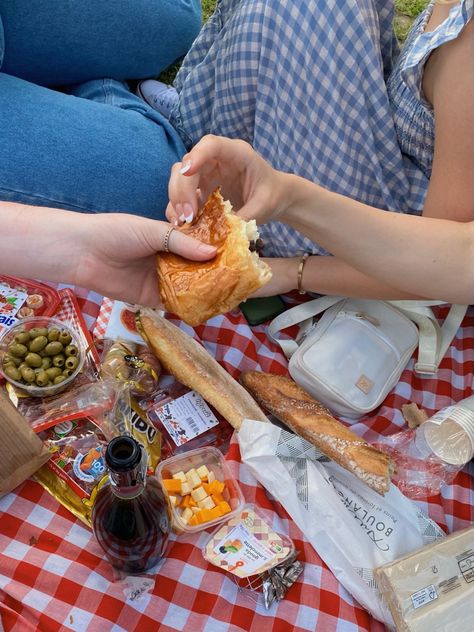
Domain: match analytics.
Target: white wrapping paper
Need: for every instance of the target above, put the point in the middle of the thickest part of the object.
(352, 528)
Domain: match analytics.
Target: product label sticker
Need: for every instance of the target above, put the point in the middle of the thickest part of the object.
(466, 566)
(90, 466)
(422, 597)
(241, 549)
(246, 546)
(11, 302)
(184, 418)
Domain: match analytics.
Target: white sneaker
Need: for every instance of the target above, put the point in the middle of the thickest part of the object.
(160, 96)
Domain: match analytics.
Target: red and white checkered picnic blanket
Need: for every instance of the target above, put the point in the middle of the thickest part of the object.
(53, 576)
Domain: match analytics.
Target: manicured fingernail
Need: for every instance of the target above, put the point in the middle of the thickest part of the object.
(188, 212)
(186, 167)
(174, 222)
(182, 219)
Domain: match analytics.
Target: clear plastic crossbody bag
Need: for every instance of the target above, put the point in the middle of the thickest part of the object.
(354, 354)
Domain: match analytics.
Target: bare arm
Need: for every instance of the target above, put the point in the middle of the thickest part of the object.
(111, 253)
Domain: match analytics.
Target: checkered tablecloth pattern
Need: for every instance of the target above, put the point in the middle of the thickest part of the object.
(53, 576)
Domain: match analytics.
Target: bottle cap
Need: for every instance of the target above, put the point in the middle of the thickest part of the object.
(123, 454)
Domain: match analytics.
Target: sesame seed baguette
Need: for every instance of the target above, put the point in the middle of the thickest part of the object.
(305, 416)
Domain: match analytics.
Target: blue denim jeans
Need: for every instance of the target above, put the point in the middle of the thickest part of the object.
(90, 145)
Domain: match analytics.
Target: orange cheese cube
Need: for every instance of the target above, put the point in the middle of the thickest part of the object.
(172, 485)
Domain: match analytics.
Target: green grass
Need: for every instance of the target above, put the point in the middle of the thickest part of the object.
(406, 12)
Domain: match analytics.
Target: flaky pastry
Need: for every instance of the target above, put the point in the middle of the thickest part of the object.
(196, 291)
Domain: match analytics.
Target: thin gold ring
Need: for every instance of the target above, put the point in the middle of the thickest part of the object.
(166, 240)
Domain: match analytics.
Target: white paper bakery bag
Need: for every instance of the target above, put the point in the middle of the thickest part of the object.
(352, 528)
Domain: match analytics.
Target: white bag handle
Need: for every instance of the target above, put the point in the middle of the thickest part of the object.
(434, 339)
(304, 314)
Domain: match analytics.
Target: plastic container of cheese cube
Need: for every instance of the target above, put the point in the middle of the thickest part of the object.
(199, 483)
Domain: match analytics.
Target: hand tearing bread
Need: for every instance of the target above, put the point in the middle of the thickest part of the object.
(193, 366)
(196, 291)
(289, 403)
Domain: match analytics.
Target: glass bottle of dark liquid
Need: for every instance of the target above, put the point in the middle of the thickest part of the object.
(130, 518)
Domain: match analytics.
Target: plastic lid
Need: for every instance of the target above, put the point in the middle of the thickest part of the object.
(450, 433)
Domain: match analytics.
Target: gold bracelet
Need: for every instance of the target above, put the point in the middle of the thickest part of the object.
(300, 273)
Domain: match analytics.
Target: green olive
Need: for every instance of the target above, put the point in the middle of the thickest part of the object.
(71, 350)
(59, 379)
(28, 374)
(46, 362)
(8, 358)
(12, 372)
(65, 337)
(38, 343)
(18, 350)
(34, 360)
(38, 331)
(22, 366)
(42, 378)
(23, 337)
(53, 334)
(68, 372)
(59, 360)
(53, 348)
(72, 363)
(53, 372)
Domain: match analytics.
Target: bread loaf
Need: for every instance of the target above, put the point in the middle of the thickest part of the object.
(193, 366)
(289, 403)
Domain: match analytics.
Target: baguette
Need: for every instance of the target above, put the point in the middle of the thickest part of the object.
(289, 403)
(194, 367)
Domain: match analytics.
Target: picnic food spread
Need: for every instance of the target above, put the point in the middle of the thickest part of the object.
(136, 442)
(196, 291)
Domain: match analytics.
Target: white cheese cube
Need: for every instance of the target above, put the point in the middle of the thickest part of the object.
(211, 477)
(173, 500)
(185, 488)
(186, 515)
(181, 476)
(206, 503)
(193, 478)
(198, 494)
(202, 471)
(195, 509)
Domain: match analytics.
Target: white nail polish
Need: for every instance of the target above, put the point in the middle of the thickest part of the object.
(182, 218)
(189, 218)
(175, 222)
(185, 168)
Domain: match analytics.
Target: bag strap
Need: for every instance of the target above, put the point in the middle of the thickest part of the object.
(304, 314)
(434, 339)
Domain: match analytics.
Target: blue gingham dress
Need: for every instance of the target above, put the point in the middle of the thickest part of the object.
(313, 87)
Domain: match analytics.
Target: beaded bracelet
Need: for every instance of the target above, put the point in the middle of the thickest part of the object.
(300, 273)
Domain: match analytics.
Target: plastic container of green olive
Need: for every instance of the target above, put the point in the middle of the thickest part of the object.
(40, 356)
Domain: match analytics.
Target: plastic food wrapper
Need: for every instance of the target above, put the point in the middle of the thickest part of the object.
(432, 588)
(21, 451)
(74, 471)
(352, 528)
(76, 427)
(259, 559)
(20, 298)
(129, 362)
(418, 473)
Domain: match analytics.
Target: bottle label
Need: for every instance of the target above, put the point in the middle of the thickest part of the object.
(185, 418)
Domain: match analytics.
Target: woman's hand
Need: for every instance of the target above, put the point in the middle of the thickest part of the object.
(254, 188)
(284, 277)
(111, 253)
(119, 258)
